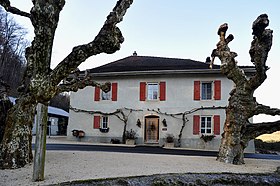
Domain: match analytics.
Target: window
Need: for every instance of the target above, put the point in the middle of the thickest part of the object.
(104, 123)
(210, 90)
(206, 90)
(111, 95)
(105, 95)
(152, 91)
(203, 124)
(206, 125)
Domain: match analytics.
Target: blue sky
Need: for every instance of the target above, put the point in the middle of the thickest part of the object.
(179, 29)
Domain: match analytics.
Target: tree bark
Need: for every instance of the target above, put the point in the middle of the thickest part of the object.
(5, 105)
(238, 131)
(16, 145)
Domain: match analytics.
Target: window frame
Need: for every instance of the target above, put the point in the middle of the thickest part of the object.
(150, 95)
(204, 119)
(104, 95)
(204, 91)
(104, 120)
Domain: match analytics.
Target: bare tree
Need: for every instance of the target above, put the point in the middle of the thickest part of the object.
(40, 83)
(61, 101)
(238, 130)
(12, 47)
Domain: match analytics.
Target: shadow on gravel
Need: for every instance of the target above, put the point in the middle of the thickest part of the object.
(184, 179)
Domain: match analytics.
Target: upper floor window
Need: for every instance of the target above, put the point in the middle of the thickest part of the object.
(105, 95)
(210, 90)
(152, 91)
(206, 90)
(111, 95)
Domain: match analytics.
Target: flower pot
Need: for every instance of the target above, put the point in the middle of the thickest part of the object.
(169, 145)
(130, 142)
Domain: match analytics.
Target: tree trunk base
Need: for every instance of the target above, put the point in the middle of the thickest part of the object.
(232, 155)
(16, 149)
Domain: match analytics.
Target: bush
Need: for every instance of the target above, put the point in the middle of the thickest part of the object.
(169, 138)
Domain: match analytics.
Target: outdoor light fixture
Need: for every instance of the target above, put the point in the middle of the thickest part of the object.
(138, 123)
(164, 122)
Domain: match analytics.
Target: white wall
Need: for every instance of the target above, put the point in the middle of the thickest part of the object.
(179, 98)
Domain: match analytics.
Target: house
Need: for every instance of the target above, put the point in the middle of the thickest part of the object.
(156, 97)
(57, 120)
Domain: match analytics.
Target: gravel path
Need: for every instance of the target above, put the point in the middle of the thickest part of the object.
(64, 166)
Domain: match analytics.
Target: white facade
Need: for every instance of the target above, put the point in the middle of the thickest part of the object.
(179, 98)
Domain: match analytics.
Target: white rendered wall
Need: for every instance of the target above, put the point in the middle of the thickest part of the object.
(179, 98)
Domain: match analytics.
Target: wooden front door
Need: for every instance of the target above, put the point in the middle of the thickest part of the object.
(151, 129)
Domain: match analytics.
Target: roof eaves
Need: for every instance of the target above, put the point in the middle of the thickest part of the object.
(247, 70)
(157, 72)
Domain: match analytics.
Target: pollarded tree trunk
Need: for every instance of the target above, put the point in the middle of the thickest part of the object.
(40, 83)
(242, 106)
(237, 114)
(16, 145)
(5, 105)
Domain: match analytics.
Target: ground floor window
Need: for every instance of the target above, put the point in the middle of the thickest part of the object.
(206, 125)
(104, 122)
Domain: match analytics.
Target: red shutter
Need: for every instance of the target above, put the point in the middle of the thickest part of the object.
(114, 91)
(96, 122)
(217, 125)
(97, 94)
(162, 91)
(196, 124)
(142, 91)
(196, 90)
(217, 92)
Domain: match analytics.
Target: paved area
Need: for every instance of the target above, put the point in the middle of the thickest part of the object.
(64, 166)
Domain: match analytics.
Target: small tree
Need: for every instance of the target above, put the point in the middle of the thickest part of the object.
(242, 106)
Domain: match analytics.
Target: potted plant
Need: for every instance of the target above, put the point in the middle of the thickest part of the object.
(130, 137)
(169, 141)
(207, 138)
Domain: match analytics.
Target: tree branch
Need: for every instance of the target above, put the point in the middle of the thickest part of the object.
(108, 41)
(254, 130)
(7, 5)
(77, 84)
(263, 109)
(260, 47)
(228, 67)
(77, 80)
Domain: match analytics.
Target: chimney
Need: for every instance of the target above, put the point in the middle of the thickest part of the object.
(208, 60)
(134, 53)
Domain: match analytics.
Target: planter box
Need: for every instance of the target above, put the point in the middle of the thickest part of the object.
(130, 142)
(169, 145)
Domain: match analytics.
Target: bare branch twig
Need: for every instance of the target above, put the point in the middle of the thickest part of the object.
(7, 5)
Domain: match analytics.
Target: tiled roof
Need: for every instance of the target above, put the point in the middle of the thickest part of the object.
(146, 63)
